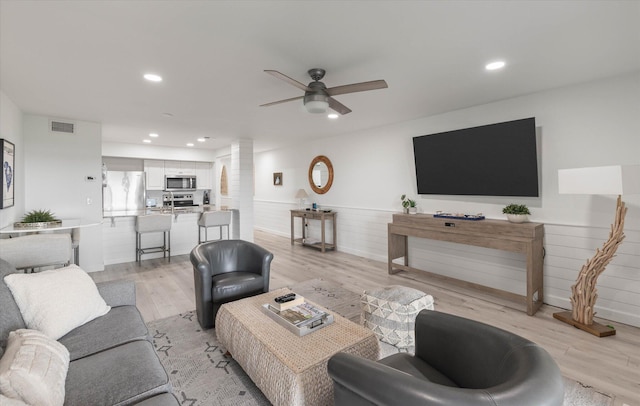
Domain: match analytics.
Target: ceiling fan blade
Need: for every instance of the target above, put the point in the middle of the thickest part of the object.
(289, 80)
(338, 107)
(281, 101)
(357, 87)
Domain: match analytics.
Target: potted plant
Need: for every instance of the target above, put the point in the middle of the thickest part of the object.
(516, 213)
(408, 204)
(38, 219)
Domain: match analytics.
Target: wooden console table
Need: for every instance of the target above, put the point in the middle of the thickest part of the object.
(304, 215)
(524, 238)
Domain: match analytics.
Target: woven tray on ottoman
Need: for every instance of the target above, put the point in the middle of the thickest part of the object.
(390, 312)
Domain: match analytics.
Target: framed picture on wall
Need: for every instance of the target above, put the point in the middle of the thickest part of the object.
(277, 178)
(8, 173)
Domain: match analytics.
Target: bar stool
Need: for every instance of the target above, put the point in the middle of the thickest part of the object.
(75, 245)
(213, 219)
(153, 223)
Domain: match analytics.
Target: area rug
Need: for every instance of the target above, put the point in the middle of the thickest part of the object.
(332, 296)
(199, 370)
(202, 375)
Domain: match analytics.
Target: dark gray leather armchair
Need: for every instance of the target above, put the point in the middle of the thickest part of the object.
(228, 270)
(457, 362)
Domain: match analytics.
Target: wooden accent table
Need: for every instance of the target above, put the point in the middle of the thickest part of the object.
(497, 234)
(289, 370)
(314, 215)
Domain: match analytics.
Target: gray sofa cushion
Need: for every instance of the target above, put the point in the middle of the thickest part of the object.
(121, 325)
(10, 316)
(118, 293)
(165, 399)
(124, 375)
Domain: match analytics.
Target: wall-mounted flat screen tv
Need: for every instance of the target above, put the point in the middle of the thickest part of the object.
(490, 160)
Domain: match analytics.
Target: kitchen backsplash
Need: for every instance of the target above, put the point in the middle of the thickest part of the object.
(197, 196)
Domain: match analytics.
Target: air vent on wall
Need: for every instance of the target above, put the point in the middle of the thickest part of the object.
(62, 127)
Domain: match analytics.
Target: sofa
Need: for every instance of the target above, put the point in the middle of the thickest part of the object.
(111, 359)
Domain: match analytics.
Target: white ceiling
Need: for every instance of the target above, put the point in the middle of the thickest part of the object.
(84, 60)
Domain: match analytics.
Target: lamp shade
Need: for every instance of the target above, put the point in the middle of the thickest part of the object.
(301, 194)
(316, 106)
(600, 180)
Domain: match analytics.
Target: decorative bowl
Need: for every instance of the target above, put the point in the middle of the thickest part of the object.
(518, 218)
(44, 224)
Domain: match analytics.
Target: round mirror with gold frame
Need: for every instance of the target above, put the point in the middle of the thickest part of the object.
(320, 174)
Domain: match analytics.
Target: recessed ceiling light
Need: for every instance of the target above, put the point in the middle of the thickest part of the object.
(201, 139)
(153, 135)
(332, 116)
(152, 77)
(147, 141)
(190, 144)
(495, 65)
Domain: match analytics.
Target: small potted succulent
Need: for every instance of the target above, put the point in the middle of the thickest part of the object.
(38, 219)
(516, 213)
(408, 204)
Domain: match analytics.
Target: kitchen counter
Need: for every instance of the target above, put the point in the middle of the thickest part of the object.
(119, 234)
(160, 210)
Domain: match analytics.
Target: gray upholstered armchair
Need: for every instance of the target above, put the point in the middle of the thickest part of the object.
(457, 362)
(227, 270)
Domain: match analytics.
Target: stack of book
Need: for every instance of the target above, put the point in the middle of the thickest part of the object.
(302, 314)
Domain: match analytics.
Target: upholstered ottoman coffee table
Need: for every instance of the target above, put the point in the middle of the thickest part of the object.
(288, 369)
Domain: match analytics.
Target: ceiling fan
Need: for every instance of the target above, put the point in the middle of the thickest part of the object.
(317, 97)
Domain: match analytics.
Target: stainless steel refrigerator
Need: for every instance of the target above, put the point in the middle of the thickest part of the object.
(123, 191)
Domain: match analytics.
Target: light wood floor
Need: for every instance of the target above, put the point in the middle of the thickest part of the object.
(611, 364)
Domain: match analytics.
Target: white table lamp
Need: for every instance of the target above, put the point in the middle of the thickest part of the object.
(602, 180)
(301, 194)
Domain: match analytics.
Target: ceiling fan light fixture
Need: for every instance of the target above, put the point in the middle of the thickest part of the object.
(152, 77)
(317, 106)
(495, 65)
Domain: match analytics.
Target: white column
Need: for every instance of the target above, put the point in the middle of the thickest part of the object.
(241, 186)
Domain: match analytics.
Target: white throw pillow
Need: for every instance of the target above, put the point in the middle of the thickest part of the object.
(5, 401)
(33, 369)
(56, 301)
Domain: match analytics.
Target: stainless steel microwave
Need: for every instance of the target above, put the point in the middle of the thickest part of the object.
(177, 183)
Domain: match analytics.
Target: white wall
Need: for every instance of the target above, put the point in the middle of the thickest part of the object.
(144, 151)
(56, 167)
(587, 125)
(11, 130)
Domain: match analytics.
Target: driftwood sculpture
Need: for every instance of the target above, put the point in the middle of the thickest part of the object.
(584, 293)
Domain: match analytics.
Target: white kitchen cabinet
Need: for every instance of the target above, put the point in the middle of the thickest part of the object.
(204, 176)
(179, 168)
(156, 171)
(188, 168)
(155, 174)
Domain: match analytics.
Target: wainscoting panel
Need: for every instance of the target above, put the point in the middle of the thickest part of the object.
(363, 232)
(484, 266)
